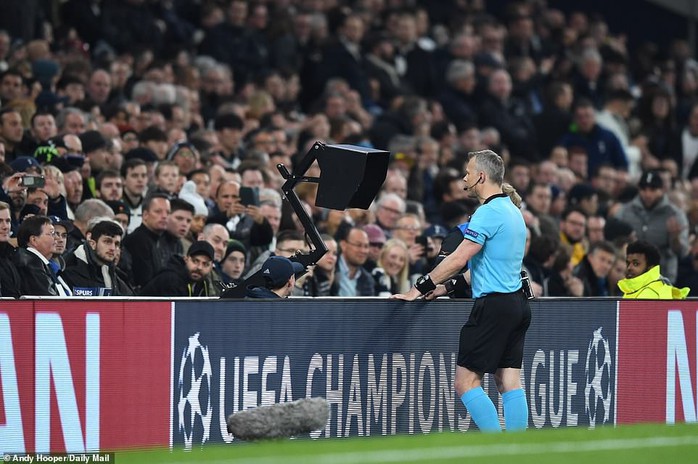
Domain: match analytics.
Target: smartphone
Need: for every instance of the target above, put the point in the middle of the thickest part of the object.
(249, 196)
(424, 241)
(33, 181)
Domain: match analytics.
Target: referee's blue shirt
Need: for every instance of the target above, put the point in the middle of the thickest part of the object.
(499, 227)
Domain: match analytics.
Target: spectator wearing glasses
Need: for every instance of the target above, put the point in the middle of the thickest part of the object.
(572, 228)
(352, 279)
(38, 275)
(388, 209)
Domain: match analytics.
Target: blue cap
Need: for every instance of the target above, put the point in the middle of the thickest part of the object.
(22, 163)
(435, 230)
(277, 270)
(68, 224)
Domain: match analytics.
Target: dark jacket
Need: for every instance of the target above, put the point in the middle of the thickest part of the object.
(36, 278)
(601, 145)
(9, 277)
(75, 239)
(260, 292)
(246, 231)
(365, 283)
(149, 253)
(514, 124)
(593, 286)
(174, 280)
(86, 276)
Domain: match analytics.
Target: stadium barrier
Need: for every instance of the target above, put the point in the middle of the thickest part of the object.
(106, 374)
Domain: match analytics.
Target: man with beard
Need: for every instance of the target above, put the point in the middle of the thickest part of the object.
(184, 276)
(656, 220)
(642, 276)
(573, 224)
(91, 269)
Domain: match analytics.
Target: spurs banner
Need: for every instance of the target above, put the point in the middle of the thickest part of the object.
(385, 367)
(658, 361)
(82, 376)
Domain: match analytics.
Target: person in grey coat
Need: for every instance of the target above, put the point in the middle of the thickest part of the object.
(656, 220)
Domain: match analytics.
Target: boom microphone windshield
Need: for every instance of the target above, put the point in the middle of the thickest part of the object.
(280, 420)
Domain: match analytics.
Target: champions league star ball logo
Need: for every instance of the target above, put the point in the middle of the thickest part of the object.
(597, 393)
(194, 392)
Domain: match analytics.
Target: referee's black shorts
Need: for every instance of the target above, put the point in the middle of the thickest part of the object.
(494, 335)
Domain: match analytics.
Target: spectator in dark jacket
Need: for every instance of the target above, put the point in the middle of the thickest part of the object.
(9, 278)
(594, 268)
(38, 275)
(458, 97)
(600, 144)
(91, 269)
(279, 274)
(245, 223)
(351, 278)
(184, 276)
(509, 116)
(146, 249)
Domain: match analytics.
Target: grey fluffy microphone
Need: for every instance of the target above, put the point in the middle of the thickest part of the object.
(280, 420)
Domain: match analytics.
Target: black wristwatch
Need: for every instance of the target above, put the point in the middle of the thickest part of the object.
(424, 284)
(453, 284)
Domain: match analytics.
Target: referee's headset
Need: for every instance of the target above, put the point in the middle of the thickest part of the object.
(479, 180)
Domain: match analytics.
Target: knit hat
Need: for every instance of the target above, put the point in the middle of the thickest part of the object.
(188, 193)
(234, 245)
(375, 234)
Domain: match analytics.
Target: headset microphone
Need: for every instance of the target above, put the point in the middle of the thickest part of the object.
(466, 188)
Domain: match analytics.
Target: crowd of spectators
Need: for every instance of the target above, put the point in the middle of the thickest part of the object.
(146, 119)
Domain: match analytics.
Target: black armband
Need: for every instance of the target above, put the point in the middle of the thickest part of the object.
(453, 284)
(424, 284)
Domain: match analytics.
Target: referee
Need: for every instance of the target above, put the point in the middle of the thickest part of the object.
(492, 340)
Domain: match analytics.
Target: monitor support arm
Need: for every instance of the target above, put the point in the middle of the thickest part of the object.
(318, 245)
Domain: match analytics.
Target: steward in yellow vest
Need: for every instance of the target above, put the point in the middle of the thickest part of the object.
(643, 279)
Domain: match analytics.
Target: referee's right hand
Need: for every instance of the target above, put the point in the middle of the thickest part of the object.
(413, 294)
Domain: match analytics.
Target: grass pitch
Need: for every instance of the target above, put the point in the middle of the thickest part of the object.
(636, 444)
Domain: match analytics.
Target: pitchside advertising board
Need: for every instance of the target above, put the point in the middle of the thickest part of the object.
(84, 375)
(107, 375)
(658, 362)
(385, 367)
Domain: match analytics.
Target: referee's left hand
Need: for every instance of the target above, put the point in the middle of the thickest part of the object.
(413, 294)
